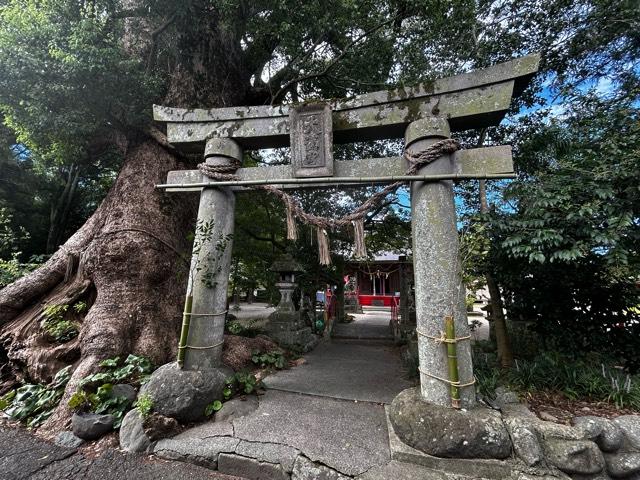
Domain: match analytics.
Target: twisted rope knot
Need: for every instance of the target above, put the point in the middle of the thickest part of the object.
(221, 172)
(430, 154)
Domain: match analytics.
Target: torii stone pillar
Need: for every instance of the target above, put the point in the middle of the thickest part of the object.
(209, 277)
(438, 285)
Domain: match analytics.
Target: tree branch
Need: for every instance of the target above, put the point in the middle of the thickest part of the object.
(154, 36)
(275, 98)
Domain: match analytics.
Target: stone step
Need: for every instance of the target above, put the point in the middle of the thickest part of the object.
(364, 340)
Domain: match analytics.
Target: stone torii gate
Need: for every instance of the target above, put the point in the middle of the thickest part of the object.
(424, 115)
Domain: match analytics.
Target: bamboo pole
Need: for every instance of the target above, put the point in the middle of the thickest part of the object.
(452, 358)
(184, 332)
(339, 180)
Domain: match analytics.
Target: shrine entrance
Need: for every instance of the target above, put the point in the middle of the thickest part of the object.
(425, 116)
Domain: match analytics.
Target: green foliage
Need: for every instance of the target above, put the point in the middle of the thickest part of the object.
(242, 383)
(487, 374)
(80, 307)
(213, 407)
(94, 393)
(7, 399)
(246, 329)
(275, 359)
(55, 324)
(82, 401)
(134, 370)
(34, 403)
(144, 404)
(12, 269)
(11, 237)
(576, 378)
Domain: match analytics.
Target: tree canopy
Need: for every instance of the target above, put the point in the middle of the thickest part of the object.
(79, 78)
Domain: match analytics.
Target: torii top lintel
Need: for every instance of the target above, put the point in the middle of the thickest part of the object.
(470, 100)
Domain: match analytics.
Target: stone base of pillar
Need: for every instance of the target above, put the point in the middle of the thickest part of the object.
(446, 432)
(291, 331)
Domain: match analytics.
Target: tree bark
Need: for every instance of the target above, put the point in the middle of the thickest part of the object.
(132, 253)
(133, 256)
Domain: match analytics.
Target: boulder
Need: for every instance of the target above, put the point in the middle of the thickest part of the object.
(604, 432)
(446, 432)
(547, 417)
(185, 394)
(91, 426)
(623, 465)
(630, 426)
(132, 435)
(580, 457)
(158, 426)
(124, 390)
(236, 408)
(525, 441)
(68, 439)
(504, 397)
(556, 431)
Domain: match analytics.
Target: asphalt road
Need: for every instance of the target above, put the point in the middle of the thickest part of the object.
(23, 456)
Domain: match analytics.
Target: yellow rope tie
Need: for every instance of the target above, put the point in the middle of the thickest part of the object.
(442, 338)
(200, 348)
(455, 384)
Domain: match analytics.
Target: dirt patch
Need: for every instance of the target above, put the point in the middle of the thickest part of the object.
(548, 406)
(237, 350)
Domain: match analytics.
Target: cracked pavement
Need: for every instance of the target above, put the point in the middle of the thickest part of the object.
(24, 456)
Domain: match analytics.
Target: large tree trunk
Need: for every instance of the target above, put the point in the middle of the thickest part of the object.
(132, 258)
(132, 254)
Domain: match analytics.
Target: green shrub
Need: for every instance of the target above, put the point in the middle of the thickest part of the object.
(234, 327)
(34, 403)
(80, 307)
(144, 404)
(410, 360)
(55, 324)
(12, 269)
(213, 407)
(240, 383)
(591, 377)
(94, 392)
(274, 359)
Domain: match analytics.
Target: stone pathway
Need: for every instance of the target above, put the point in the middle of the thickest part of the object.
(346, 370)
(322, 419)
(369, 325)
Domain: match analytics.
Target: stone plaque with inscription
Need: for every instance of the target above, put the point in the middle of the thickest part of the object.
(311, 140)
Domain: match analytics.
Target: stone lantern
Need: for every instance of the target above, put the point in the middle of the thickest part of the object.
(286, 268)
(286, 325)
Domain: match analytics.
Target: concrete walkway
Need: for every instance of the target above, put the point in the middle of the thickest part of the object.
(369, 325)
(322, 419)
(346, 370)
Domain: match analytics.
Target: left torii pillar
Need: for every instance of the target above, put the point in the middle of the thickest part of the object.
(211, 263)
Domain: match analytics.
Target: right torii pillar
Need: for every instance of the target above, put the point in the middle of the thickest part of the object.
(439, 291)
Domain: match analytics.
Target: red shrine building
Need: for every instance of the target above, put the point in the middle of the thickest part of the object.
(378, 281)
